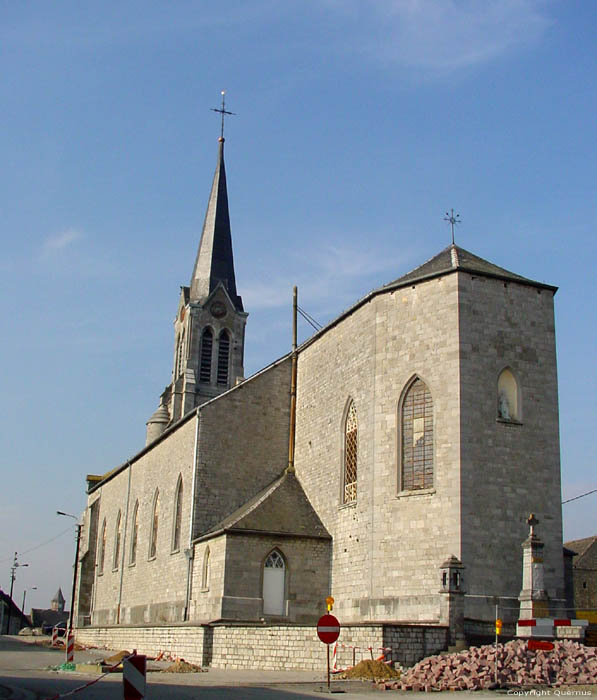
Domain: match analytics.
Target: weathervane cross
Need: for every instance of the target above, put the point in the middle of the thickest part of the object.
(223, 112)
(453, 220)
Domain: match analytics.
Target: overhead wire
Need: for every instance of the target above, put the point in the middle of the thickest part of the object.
(582, 495)
(38, 546)
(316, 325)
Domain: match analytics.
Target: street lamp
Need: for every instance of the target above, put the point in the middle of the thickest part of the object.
(72, 599)
(13, 575)
(33, 588)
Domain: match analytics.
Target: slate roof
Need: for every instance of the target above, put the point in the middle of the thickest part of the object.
(455, 258)
(580, 547)
(41, 617)
(280, 508)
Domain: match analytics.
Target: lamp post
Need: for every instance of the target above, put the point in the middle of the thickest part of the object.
(33, 588)
(13, 575)
(72, 599)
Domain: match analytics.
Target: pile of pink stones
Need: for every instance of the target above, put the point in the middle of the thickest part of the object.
(569, 663)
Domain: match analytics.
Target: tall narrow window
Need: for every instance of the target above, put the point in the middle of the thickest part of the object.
(417, 437)
(102, 548)
(117, 535)
(177, 519)
(350, 454)
(205, 577)
(223, 357)
(180, 355)
(134, 533)
(153, 539)
(207, 341)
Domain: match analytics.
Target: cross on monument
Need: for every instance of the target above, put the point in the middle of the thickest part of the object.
(223, 112)
(453, 220)
(532, 521)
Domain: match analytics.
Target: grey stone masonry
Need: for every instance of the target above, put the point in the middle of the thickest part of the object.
(270, 647)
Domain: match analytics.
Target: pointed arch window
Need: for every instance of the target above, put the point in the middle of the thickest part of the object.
(417, 437)
(153, 538)
(274, 584)
(206, 568)
(508, 397)
(102, 548)
(350, 454)
(134, 533)
(223, 358)
(117, 537)
(177, 516)
(207, 341)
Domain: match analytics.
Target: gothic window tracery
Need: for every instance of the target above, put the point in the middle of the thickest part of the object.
(274, 584)
(134, 533)
(180, 354)
(153, 540)
(223, 358)
(177, 519)
(207, 339)
(117, 536)
(417, 437)
(350, 454)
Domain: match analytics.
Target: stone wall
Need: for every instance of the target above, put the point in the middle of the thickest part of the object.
(152, 588)
(243, 444)
(388, 544)
(275, 647)
(509, 468)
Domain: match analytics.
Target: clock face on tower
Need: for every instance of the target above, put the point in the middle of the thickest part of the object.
(218, 310)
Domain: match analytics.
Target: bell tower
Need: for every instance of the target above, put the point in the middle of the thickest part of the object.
(209, 328)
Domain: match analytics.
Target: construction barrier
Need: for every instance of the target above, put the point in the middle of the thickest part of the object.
(55, 636)
(385, 651)
(134, 671)
(70, 648)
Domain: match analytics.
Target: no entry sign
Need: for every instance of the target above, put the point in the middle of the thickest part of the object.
(328, 629)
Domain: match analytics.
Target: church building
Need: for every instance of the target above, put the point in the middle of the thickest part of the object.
(423, 430)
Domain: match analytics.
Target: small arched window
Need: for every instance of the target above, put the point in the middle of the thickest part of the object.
(177, 519)
(417, 437)
(223, 358)
(206, 567)
(153, 538)
(207, 341)
(102, 548)
(508, 396)
(134, 533)
(350, 454)
(117, 536)
(274, 584)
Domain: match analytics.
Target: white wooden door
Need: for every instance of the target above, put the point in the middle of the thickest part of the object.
(274, 572)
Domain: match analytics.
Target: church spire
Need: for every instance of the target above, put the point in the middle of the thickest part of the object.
(215, 262)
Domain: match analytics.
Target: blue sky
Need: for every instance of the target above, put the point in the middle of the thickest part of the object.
(359, 122)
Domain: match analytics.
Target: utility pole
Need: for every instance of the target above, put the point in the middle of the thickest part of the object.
(76, 567)
(13, 575)
(33, 588)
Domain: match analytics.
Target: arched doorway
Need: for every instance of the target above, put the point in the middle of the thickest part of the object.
(274, 574)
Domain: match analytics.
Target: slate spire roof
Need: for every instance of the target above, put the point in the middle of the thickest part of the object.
(58, 598)
(214, 262)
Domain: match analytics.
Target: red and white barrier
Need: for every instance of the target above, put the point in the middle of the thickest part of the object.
(54, 636)
(134, 671)
(70, 648)
(546, 626)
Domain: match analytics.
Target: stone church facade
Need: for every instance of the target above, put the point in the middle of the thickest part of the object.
(426, 431)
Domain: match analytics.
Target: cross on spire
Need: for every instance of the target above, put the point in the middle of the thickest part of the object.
(223, 112)
(453, 220)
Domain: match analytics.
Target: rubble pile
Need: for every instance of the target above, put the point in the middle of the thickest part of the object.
(569, 663)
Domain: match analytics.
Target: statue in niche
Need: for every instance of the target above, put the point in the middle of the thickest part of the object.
(504, 407)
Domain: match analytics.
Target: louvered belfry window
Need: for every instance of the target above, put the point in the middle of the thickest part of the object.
(223, 356)
(350, 454)
(207, 340)
(417, 438)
